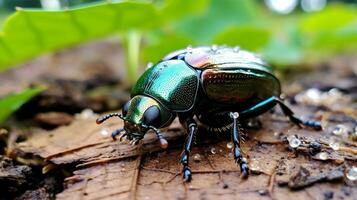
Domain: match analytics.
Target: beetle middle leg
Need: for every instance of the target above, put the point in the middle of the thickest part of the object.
(238, 157)
(192, 129)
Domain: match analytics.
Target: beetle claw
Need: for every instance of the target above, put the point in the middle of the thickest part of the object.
(121, 137)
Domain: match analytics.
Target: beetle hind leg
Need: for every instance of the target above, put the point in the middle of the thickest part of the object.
(238, 157)
(288, 112)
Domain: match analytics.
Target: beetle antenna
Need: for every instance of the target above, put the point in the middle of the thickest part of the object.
(163, 142)
(105, 117)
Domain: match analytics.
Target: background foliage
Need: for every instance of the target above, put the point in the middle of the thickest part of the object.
(149, 30)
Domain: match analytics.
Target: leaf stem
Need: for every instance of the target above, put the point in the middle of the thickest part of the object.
(133, 39)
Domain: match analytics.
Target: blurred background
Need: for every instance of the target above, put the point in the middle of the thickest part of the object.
(48, 42)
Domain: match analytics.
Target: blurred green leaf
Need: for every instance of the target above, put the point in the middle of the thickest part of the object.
(331, 18)
(220, 15)
(282, 53)
(160, 44)
(247, 37)
(171, 11)
(11, 103)
(28, 33)
(331, 31)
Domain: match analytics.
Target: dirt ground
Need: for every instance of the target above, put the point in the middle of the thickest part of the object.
(52, 147)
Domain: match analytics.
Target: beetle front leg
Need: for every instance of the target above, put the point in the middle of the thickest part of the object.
(118, 132)
(186, 171)
(238, 157)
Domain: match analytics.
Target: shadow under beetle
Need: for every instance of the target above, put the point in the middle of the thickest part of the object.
(219, 85)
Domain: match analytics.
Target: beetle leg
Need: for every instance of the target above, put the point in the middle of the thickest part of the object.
(116, 132)
(238, 157)
(265, 105)
(288, 112)
(186, 171)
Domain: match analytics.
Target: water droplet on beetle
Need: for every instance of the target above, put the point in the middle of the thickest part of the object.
(149, 65)
(236, 49)
(229, 145)
(197, 157)
(294, 142)
(104, 132)
(339, 130)
(235, 115)
(352, 174)
(213, 150)
(214, 47)
(322, 156)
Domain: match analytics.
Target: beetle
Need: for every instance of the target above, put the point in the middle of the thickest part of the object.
(220, 85)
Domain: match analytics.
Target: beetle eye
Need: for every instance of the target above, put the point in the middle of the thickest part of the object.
(125, 108)
(152, 116)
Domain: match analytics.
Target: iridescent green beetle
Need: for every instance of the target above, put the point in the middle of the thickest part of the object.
(219, 85)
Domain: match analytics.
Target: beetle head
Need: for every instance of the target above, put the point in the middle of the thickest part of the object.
(140, 114)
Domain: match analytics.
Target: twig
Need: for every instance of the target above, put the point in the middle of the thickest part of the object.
(158, 170)
(136, 176)
(271, 184)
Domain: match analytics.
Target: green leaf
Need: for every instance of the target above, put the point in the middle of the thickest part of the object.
(247, 37)
(28, 33)
(11, 103)
(282, 53)
(160, 44)
(331, 31)
(170, 12)
(331, 18)
(220, 15)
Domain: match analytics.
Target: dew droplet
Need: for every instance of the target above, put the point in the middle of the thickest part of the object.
(197, 157)
(294, 142)
(213, 150)
(339, 130)
(122, 169)
(334, 92)
(334, 145)
(322, 156)
(353, 135)
(104, 132)
(254, 164)
(352, 174)
(229, 145)
(313, 94)
(87, 114)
